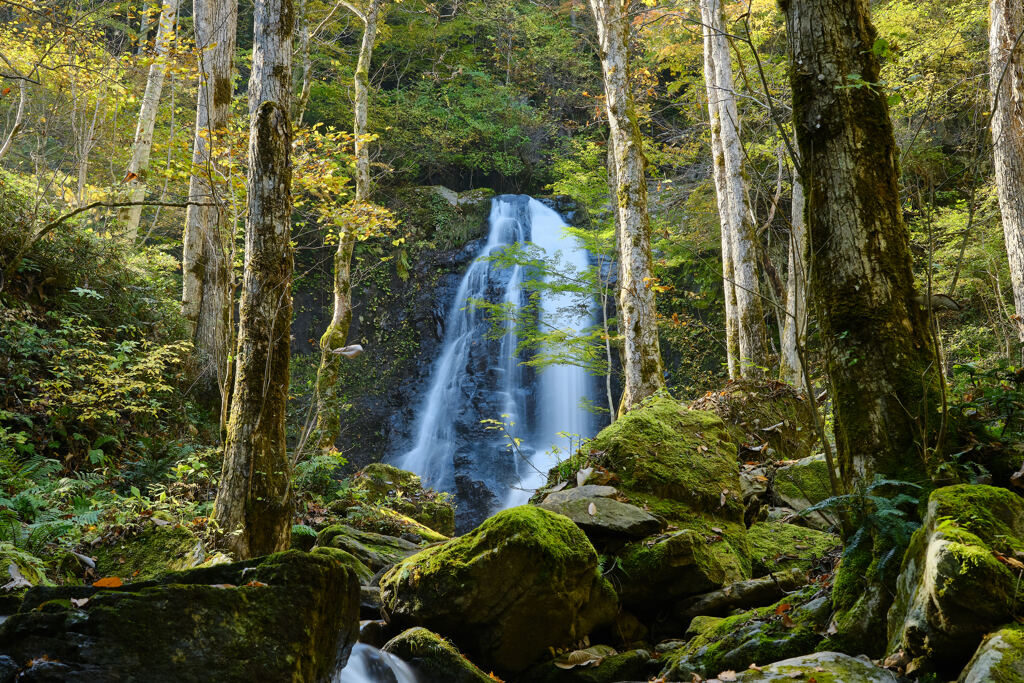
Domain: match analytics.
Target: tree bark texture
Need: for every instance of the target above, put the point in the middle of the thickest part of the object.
(881, 360)
(206, 272)
(138, 165)
(637, 315)
(253, 506)
(328, 426)
(718, 161)
(750, 338)
(794, 328)
(1006, 82)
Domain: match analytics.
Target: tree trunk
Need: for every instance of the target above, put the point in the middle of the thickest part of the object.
(880, 356)
(637, 315)
(328, 420)
(794, 328)
(750, 334)
(138, 166)
(718, 160)
(19, 117)
(205, 270)
(253, 506)
(304, 80)
(1006, 82)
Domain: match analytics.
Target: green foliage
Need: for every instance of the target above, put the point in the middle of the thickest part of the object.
(316, 476)
(887, 507)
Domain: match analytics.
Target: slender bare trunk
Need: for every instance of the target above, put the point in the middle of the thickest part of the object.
(1006, 78)
(253, 506)
(328, 422)
(732, 347)
(881, 360)
(795, 326)
(205, 300)
(750, 334)
(305, 80)
(138, 166)
(637, 314)
(145, 23)
(19, 119)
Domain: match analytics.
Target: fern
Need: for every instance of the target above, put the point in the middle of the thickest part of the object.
(890, 515)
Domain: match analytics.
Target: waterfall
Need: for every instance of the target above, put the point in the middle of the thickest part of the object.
(369, 665)
(477, 378)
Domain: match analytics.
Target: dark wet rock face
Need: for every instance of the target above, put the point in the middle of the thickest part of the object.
(287, 617)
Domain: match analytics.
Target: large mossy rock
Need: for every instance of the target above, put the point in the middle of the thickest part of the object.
(953, 588)
(523, 581)
(159, 548)
(605, 520)
(802, 484)
(374, 550)
(999, 659)
(821, 667)
(434, 658)
(789, 628)
(771, 417)
(679, 465)
(777, 546)
(287, 617)
(613, 667)
(380, 484)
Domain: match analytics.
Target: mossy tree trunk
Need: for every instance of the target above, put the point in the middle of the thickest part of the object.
(746, 334)
(328, 418)
(206, 270)
(794, 327)
(138, 165)
(1006, 82)
(253, 506)
(880, 354)
(637, 316)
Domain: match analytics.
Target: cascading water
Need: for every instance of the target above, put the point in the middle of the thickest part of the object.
(369, 665)
(477, 378)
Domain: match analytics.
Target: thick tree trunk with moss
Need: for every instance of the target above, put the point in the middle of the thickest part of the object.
(749, 342)
(637, 316)
(328, 418)
(794, 327)
(1006, 82)
(206, 273)
(881, 359)
(253, 506)
(138, 165)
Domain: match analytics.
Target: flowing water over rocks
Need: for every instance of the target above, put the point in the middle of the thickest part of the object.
(477, 378)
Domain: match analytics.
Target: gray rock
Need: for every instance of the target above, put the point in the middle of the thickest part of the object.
(803, 484)
(610, 517)
(831, 666)
(586, 491)
(1000, 657)
(753, 482)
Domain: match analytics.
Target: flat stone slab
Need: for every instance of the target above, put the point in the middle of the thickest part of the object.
(605, 517)
(579, 493)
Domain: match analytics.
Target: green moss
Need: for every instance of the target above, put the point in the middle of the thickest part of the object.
(434, 657)
(381, 485)
(667, 450)
(756, 636)
(775, 546)
(154, 551)
(524, 580)
(347, 559)
(806, 480)
(1000, 659)
(992, 514)
(384, 520)
(372, 549)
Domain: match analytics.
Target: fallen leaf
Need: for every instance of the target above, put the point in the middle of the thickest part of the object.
(727, 676)
(753, 666)
(130, 177)
(592, 509)
(788, 622)
(108, 582)
(1011, 562)
(256, 584)
(782, 608)
(717, 530)
(79, 602)
(581, 476)
(223, 585)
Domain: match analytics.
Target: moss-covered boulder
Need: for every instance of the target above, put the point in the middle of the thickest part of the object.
(767, 420)
(776, 546)
(789, 628)
(157, 549)
(523, 581)
(678, 564)
(343, 557)
(434, 658)
(999, 658)
(382, 485)
(802, 484)
(19, 569)
(374, 550)
(383, 520)
(287, 617)
(674, 461)
(821, 667)
(954, 584)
